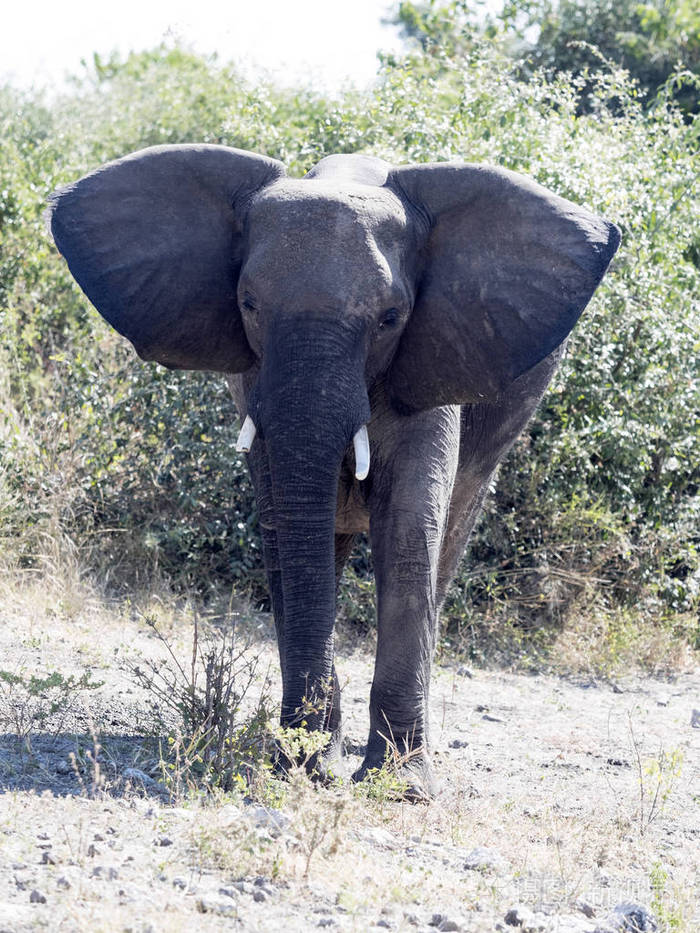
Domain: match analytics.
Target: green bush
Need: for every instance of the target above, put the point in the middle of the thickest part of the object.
(134, 465)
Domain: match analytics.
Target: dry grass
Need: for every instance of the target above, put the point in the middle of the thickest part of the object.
(586, 795)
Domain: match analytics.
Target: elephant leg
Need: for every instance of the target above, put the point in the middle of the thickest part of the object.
(467, 499)
(487, 432)
(409, 508)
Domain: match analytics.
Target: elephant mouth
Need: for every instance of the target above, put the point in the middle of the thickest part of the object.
(360, 443)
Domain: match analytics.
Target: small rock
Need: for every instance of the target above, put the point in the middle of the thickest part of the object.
(259, 896)
(227, 892)
(210, 906)
(464, 672)
(695, 719)
(631, 918)
(92, 850)
(484, 859)
(245, 887)
(411, 919)
(268, 818)
(262, 885)
(378, 837)
(517, 916)
(180, 883)
(383, 923)
(489, 718)
(326, 922)
(36, 897)
(63, 767)
(585, 908)
(537, 923)
(135, 774)
(458, 743)
(47, 858)
(63, 883)
(229, 813)
(616, 688)
(443, 923)
(165, 841)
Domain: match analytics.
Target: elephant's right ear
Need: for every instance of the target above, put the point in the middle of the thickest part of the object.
(154, 241)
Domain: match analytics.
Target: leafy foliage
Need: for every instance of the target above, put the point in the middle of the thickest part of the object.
(134, 466)
(657, 42)
(653, 41)
(31, 703)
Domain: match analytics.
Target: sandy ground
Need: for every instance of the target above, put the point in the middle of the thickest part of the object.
(561, 800)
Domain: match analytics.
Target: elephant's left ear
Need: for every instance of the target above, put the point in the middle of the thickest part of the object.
(508, 269)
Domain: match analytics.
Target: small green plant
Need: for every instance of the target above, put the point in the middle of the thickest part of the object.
(300, 746)
(389, 783)
(656, 777)
(669, 915)
(215, 743)
(31, 703)
(382, 785)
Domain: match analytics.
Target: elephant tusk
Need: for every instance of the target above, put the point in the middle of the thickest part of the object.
(361, 444)
(246, 437)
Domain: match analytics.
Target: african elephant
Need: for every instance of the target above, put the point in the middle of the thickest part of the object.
(387, 332)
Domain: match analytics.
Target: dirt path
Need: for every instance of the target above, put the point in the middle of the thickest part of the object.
(560, 800)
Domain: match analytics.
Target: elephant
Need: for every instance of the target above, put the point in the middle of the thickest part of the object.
(387, 332)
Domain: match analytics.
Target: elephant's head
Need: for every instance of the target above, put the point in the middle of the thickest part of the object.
(444, 282)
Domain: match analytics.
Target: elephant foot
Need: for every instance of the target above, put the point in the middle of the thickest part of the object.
(411, 779)
(327, 765)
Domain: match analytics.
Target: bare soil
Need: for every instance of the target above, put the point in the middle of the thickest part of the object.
(561, 799)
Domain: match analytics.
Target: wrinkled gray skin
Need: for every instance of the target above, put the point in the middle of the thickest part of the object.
(428, 302)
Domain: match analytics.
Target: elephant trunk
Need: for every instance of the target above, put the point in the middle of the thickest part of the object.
(309, 403)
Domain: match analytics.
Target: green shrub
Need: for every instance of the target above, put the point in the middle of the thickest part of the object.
(135, 465)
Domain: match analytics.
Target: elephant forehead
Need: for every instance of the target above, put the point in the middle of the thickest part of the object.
(314, 208)
(350, 239)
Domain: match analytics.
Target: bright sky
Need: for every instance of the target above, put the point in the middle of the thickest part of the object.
(42, 40)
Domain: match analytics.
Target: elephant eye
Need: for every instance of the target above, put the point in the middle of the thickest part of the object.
(248, 302)
(389, 319)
